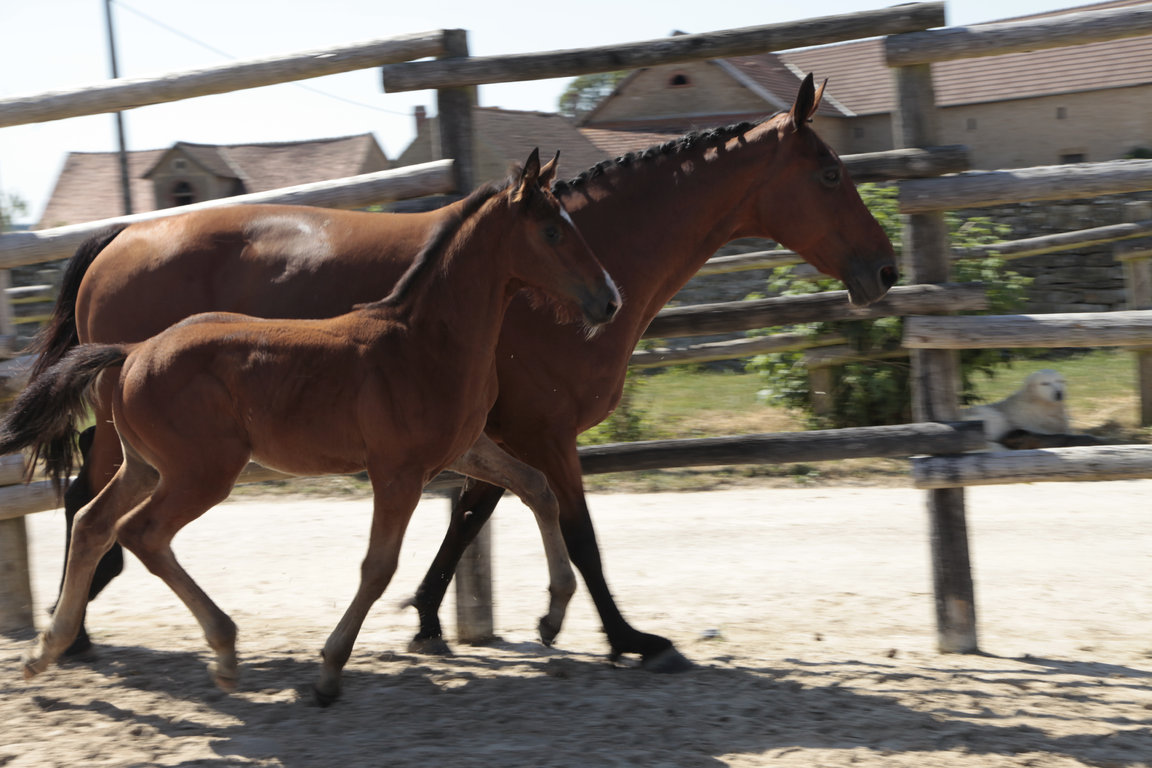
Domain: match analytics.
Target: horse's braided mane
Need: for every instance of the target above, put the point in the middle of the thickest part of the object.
(687, 142)
(429, 257)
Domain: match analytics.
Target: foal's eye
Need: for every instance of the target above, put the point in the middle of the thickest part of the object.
(830, 177)
(551, 233)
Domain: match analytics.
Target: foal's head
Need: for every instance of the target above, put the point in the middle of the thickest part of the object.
(550, 254)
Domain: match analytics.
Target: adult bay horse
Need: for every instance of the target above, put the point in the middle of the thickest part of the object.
(653, 218)
(400, 387)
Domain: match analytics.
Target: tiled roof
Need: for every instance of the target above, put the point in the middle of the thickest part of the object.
(513, 133)
(616, 143)
(88, 187)
(861, 81)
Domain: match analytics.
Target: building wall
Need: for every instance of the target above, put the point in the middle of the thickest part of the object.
(1097, 125)
(651, 98)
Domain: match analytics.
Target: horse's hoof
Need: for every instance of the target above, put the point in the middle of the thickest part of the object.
(225, 676)
(668, 662)
(324, 695)
(34, 665)
(547, 632)
(80, 646)
(429, 646)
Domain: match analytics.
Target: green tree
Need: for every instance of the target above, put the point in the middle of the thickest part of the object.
(877, 389)
(10, 206)
(586, 91)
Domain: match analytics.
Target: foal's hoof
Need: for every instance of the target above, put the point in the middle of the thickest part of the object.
(547, 631)
(429, 646)
(668, 661)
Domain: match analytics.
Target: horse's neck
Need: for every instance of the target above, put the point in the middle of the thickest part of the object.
(653, 225)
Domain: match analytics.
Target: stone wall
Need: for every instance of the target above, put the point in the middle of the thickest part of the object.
(1085, 279)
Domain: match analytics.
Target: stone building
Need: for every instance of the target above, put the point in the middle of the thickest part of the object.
(88, 187)
(1084, 103)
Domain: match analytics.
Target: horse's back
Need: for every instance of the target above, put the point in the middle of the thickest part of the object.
(262, 260)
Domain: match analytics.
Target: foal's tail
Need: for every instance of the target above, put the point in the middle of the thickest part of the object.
(56, 339)
(46, 413)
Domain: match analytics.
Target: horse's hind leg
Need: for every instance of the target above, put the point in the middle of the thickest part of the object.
(98, 463)
(148, 532)
(395, 499)
(470, 511)
(93, 534)
(488, 462)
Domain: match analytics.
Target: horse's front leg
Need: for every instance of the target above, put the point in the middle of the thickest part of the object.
(396, 495)
(488, 462)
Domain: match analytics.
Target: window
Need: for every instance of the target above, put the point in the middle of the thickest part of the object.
(182, 194)
(971, 124)
(1061, 113)
(857, 132)
(679, 80)
(179, 164)
(1073, 157)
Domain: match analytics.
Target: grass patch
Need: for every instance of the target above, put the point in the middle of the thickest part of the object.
(682, 402)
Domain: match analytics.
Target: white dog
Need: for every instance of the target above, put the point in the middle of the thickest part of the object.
(1036, 407)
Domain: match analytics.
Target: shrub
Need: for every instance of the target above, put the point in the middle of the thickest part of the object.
(877, 390)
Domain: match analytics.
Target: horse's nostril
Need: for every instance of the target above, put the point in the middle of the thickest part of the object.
(611, 309)
(888, 276)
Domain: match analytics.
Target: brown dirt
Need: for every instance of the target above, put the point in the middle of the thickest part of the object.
(808, 612)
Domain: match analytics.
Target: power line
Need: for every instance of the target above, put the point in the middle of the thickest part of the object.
(195, 41)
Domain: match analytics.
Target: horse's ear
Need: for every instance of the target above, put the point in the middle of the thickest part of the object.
(807, 101)
(529, 177)
(548, 172)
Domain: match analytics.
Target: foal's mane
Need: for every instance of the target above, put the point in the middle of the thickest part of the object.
(431, 254)
(689, 141)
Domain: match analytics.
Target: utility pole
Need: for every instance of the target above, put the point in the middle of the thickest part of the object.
(125, 181)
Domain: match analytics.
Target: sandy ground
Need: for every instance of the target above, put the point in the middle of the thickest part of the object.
(808, 612)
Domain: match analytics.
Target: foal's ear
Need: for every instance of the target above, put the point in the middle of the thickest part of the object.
(807, 102)
(548, 172)
(529, 177)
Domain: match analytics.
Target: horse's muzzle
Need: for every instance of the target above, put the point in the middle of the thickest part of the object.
(869, 285)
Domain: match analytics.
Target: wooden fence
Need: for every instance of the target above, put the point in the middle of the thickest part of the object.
(911, 46)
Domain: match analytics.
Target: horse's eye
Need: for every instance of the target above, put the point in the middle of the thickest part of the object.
(551, 233)
(830, 177)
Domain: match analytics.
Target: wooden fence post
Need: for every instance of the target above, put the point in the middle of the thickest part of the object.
(474, 615)
(15, 578)
(1136, 256)
(936, 374)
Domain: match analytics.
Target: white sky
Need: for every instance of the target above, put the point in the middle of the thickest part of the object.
(48, 45)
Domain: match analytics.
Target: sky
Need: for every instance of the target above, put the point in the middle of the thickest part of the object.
(49, 45)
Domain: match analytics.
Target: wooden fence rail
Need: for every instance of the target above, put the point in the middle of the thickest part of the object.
(1129, 328)
(980, 189)
(1106, 462)
(448, 73)
(970, 42)
(122, 94)
(23, 248)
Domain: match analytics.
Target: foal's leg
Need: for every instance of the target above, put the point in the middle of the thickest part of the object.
(148, 532)
(92, 535)
(396, 496)
(488, 462)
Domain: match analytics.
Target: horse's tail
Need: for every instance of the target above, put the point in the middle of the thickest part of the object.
(57, 337)
(46, 413)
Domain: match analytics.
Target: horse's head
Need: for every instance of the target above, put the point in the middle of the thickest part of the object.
(812, 206)
(556, 260)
